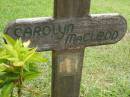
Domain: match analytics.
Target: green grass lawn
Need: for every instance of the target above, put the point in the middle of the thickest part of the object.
(106, 71)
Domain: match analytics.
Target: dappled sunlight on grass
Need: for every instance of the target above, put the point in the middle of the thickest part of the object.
(106, 69)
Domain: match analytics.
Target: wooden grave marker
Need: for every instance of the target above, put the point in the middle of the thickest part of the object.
(67, 34)
(73, 33)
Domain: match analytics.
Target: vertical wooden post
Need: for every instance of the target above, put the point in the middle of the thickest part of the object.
(67, 68)
(67, 65)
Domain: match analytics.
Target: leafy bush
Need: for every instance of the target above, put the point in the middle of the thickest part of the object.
(18, 63)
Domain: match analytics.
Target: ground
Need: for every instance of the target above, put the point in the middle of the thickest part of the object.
(106, 70)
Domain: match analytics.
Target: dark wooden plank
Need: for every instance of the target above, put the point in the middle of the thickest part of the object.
(67, 64)
(60, 34)
(67, 69)
(71, 8)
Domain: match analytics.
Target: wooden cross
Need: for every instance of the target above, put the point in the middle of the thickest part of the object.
(67, 34)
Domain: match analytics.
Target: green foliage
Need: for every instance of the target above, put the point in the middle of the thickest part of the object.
(102, 65)
(18, 63)
(7, 88)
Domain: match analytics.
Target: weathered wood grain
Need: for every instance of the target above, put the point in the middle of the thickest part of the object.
(67, 34)
(71, 8)
(67, 70)
(46, 33)
(67, 64)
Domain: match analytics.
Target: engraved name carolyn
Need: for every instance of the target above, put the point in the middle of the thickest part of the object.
(58, 31)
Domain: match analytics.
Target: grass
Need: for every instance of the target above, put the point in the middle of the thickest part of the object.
(106, 71)
(13, 9)
(109, 6)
